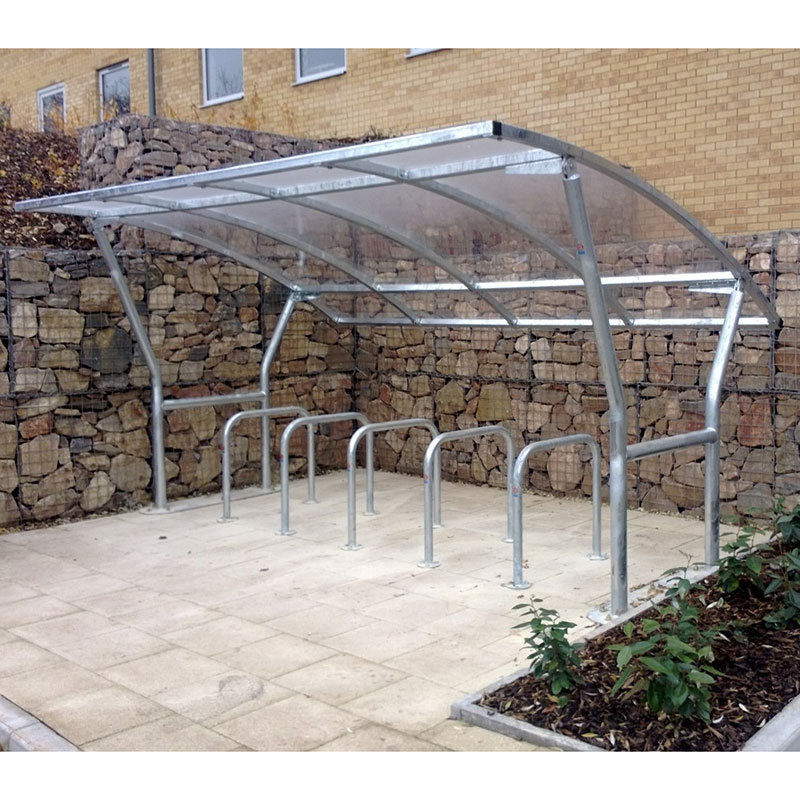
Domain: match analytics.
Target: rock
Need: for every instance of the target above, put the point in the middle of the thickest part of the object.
(8, 440)
(36, 426)
(129, 473)
(133, 415)
(161, 298)
(58, 482)
(450, 399)
(9, 511)
(108, 351)
(494, 403)
(26, 269)
(200, 278)
(39, 456)
(60, 325)
(467, 364)
(755, 424)
(657, 297)
(24, 320)
(54, 505)
(564, 468)
(8, 475)
(57, 356)
(135, 443)
(99, 295)
(97, 493)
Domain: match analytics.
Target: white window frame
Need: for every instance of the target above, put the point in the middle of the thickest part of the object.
(217, 100)
(420, 51)
(54, 88)
(105, 71)
(317, 76)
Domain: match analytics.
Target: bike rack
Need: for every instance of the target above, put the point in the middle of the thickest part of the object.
(429, 464)
(369, 430)
(517, 581)
(266, 413)
(287, 434)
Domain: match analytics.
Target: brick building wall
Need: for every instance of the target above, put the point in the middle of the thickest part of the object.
(714, 129)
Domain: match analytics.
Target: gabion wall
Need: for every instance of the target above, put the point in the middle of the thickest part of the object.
(74, 391)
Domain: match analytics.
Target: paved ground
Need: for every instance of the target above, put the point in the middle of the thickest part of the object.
(176, 632)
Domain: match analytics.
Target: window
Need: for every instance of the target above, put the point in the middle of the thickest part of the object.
(115, 90)
(418, 51)
(223, 75)
(321, 63)
(52, 108)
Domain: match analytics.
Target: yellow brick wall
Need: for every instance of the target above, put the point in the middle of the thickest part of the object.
(714, 129)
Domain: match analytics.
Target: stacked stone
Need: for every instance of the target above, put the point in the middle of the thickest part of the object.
(85, 386)
(546, 384)
(133, 148)
(75, 393)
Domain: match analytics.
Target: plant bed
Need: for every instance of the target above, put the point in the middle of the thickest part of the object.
(742, 670)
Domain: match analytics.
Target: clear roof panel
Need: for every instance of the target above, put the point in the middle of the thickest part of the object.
(468, 223)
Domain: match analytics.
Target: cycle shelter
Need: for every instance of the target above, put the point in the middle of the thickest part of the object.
(479, 225)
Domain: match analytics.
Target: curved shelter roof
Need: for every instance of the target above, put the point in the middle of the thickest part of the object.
(467, 225)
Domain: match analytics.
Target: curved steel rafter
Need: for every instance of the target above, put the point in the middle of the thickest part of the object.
(416, 246)
(301, 244)
(223, 249)
(329, 258)
(493, 212)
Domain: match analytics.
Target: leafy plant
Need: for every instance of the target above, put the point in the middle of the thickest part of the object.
(553, 657)
(742, 567)
(787, 523)
(676, 674)
(785, 569)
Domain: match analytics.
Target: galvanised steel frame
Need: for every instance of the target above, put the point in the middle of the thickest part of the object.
(520, 469)
(352, 447)
(313, 422)
(218, 197)
(432, 481)
(227, 429)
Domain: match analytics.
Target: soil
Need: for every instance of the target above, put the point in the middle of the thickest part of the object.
(38, 165)
(760, 677)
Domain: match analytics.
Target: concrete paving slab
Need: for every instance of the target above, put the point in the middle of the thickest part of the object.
(173, 631)
(296, 724)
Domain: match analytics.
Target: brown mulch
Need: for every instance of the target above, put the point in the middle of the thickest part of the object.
(760, 678)
(38, 165)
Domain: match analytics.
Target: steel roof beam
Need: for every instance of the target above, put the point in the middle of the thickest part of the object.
(688, 280)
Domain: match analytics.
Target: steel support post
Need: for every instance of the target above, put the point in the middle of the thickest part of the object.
(713, 395)
(618, 434)
(266, 363)
(157, 386)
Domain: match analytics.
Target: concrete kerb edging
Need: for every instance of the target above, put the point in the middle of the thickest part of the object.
(780, 734)
(22, 732)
